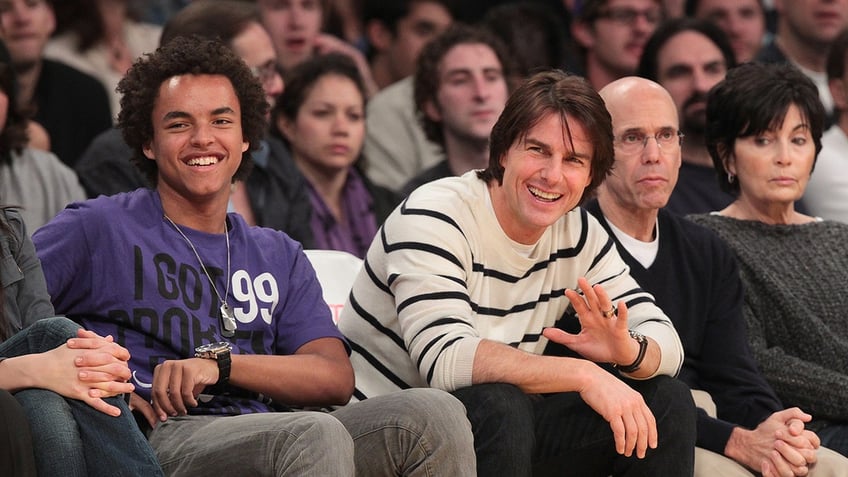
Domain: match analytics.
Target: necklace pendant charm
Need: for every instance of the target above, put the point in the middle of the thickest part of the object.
(227, 320)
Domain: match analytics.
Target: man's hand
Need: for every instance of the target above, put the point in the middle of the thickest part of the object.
(779, 446)
(137, 403)
(632, 422)
(602, 339)
(176, 384)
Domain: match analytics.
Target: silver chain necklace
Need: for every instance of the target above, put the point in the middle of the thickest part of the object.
(228, 322)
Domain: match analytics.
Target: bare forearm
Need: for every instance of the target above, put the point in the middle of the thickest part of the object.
(19, 372)
(499, 363)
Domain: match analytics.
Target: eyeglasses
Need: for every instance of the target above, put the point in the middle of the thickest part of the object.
(628, 16)
(635, 142)
(266, 73)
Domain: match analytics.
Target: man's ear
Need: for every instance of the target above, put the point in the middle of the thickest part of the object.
(432, 111)
(148, 151)
(379, 36)
(583, 34)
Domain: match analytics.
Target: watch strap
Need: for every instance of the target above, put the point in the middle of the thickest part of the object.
(643, 348)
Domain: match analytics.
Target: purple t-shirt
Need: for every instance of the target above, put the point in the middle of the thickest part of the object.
(118, 267)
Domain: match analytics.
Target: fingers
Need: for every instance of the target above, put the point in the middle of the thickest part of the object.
(780, 466)
(102, 406)
(101, 345)
(137, 403)
(106, 372)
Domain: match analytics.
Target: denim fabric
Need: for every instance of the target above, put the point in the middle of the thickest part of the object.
(16, 455)
(69, 437)
(414, 433)
(559, 434)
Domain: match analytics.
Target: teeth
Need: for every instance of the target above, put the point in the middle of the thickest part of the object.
(544, 195)
(203, 161)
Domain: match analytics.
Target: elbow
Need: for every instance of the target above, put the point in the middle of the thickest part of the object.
(338, 387)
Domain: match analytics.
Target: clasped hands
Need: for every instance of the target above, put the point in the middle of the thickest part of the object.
(97, 366)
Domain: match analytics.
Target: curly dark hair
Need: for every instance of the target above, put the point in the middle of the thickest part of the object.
(568, 96)
(427, 74)
(187, 56)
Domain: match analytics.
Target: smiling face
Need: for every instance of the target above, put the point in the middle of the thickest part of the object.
(544, 177)
(773, 167)
(327, 134)
(197, 138)
(643, 177)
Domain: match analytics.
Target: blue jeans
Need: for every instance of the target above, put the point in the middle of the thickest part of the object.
(835, 437)
(16, 456)
(69, 437)
(517, 434)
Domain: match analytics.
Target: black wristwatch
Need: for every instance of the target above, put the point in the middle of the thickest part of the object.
(643, 347)
(220, 352)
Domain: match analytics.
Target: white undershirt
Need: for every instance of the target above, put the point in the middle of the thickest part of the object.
(644, 252)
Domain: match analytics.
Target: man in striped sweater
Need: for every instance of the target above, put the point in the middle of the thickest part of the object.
(463, 283)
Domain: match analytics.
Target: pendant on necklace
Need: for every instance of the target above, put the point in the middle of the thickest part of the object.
(227, 320)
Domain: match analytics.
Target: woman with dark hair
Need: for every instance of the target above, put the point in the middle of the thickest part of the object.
(321, 115)
(764, 129)
(60, 407)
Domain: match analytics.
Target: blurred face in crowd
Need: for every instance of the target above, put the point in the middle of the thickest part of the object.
(775, 166)
(743, 21)
(617, 37)
(472, 93)
(327, 134)
(294, 26)
(425, 21)
(815, 22)
(254, 46)
(688, 65)
(647, 147)
(544, 177)
(25, 27)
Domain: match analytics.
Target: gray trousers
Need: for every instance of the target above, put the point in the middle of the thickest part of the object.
(417, 432)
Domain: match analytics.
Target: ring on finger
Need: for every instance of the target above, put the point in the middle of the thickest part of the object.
(609, 313)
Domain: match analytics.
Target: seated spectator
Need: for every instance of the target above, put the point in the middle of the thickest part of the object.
(274, 194)
(764, 132)
(805, 31)
(220, 353)
(827, 191)
(461, 86)
(462, 286)
(72, 106)
(67, 416)
(101, 38)
(321, 115)
(295, 27)
(695, 280)
(743, 21)
(32, 179)
(612, 35)
(396, 33)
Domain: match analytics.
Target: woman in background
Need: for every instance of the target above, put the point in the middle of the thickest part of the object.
(764, 128)
(321, 115)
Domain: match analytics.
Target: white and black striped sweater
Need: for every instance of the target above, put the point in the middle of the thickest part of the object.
(441, 275)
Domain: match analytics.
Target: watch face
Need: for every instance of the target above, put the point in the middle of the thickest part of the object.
(214, 347)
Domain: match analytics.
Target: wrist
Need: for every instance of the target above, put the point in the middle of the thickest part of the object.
(639, 342)
(738, 447)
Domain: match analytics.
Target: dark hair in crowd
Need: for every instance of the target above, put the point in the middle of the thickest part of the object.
(14, 134)
(752, 99)
(691, 7)
(221, 19)
(427, 79)
(837, 58)
(568, 96)
(303, 77)
(187, 56)
(649, 63)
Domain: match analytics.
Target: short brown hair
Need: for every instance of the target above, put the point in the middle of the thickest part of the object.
(563, 94)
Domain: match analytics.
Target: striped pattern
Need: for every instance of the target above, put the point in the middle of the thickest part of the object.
(441, 275)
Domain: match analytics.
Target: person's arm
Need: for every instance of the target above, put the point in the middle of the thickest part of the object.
(31, 298)
(774, 445)
(318, 374)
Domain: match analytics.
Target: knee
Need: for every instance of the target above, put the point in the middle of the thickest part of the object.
(671, 402)
(325, 429)
(49, 416)
(59, 327)
(434, 412)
